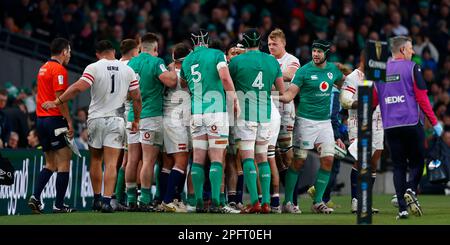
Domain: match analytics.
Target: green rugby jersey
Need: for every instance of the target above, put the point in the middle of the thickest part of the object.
(253, 74)
(315, 86)
(148, 68)
(199, 69)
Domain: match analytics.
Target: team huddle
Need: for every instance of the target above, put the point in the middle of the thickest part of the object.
(214, 123)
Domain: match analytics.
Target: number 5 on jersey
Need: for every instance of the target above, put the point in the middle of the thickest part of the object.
(196, 73)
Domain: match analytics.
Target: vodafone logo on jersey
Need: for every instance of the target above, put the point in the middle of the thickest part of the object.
(324, 86)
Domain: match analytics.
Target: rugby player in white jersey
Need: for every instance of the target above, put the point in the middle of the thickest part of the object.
(282, 121)
(110, 81)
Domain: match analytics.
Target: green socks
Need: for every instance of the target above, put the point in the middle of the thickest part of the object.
(321, 184)
(264, 178)
(250, 179)
(198, 178)
(120, 184)
(291, 180)
(146, 195)
(131, 193)
(215, 176)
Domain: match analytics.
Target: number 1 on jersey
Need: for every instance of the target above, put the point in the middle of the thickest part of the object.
(258, 83)
(112, 83)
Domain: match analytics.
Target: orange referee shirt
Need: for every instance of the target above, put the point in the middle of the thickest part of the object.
(52, 77)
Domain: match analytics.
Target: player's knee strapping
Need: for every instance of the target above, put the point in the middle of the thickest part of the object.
(300, 153)
(285, 143)
(326, 150)
(246, 145)
(261, 148)
(219, 143)
(200, 144)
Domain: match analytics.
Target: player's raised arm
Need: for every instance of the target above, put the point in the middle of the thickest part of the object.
(73, 90)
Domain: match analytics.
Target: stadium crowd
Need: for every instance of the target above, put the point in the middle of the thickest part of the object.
(347, 24)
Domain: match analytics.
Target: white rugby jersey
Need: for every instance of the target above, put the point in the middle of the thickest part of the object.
(127, 103)
(110, 82)
(351, 83)
(287, 61)
(177, 101)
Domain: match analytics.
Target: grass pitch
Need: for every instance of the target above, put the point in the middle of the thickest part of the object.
(436, 211)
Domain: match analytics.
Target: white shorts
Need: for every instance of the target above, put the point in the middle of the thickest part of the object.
(132, 138)
(151, 131)
(176, 135)
(247, 130)
(308, 133)
(377, 130)
(213, 125)
(106, 131)
(287, 113)
(275, 124)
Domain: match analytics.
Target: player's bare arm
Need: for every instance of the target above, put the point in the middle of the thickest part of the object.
(169, 78)
(64, 108)
(76, 88)
(135, 95)
(289, 73)
(228, 86)
(289, 94)
(279, 85)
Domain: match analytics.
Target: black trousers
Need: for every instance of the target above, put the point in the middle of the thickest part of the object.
(407, 149)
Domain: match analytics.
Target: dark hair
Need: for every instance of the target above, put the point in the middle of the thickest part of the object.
(180, 51)
(149, 38)
(216, 44)
(103, 45)
(58, 45)
(200, 37)
(127, 45)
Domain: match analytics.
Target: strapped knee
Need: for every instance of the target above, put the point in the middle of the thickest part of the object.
(326, 150)
(200, 144)
(261, 148)
(246, 145)
(300, 153)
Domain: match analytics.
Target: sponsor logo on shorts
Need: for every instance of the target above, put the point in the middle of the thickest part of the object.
(147, 136)
(214, 128)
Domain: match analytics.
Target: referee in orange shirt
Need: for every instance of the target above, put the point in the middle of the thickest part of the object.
(52, 81)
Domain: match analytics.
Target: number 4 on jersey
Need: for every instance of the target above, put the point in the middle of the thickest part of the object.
(258, 83)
